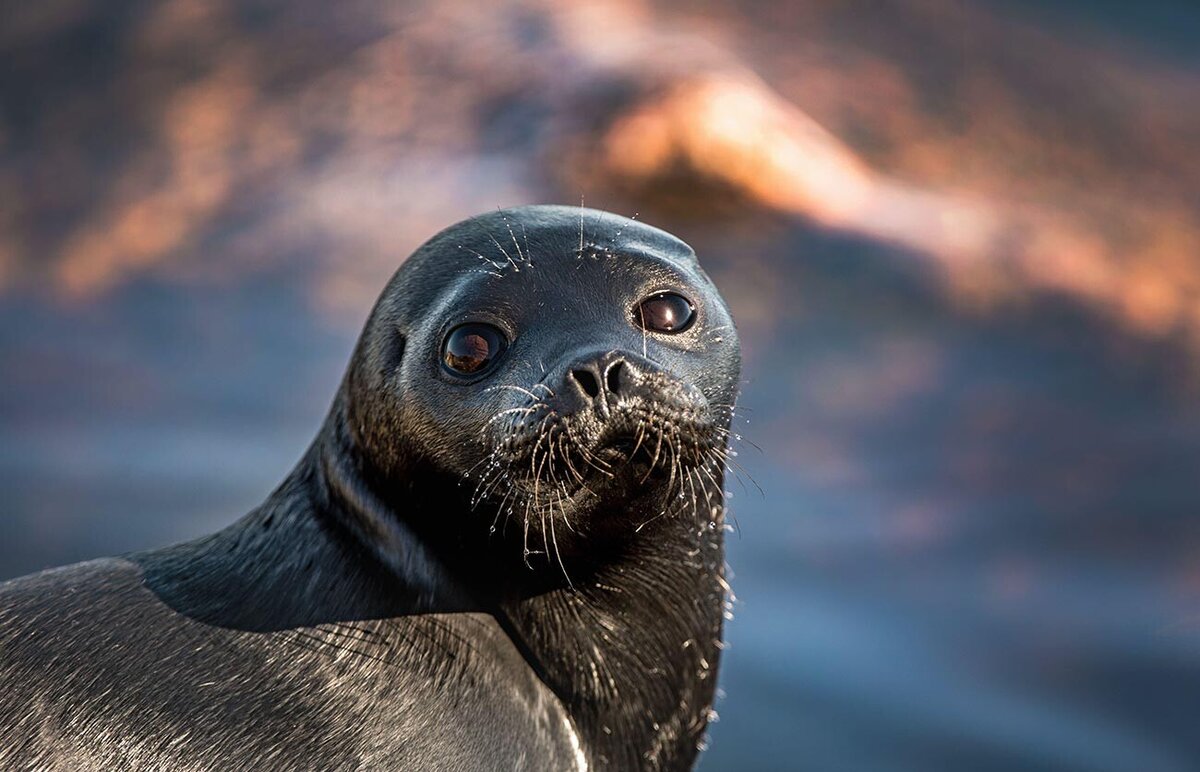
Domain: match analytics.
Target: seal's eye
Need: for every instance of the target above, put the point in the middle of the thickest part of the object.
(471, 348)
(665, 312)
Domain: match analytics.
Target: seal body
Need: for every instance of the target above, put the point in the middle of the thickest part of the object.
(502, 551)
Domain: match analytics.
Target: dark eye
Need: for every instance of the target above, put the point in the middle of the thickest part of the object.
(665, 312)
(471, 348)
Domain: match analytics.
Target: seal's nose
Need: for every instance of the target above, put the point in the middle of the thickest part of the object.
(601, 380)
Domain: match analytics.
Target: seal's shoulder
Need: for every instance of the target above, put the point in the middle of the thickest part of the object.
(58, 593)
(47, 616)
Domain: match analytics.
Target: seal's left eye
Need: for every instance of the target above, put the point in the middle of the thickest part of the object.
(665, 312)
(471, 348)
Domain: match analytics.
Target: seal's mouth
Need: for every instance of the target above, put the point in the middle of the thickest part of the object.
(655, 445)
(624, 449)
(546, 460)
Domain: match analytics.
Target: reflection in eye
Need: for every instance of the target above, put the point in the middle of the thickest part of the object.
(471, 348)
(665, 312)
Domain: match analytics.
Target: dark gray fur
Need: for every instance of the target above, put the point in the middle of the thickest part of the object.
(367, 615)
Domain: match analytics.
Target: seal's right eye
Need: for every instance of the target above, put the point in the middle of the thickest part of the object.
(469, 349)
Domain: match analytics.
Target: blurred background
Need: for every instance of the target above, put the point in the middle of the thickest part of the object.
(961, 239)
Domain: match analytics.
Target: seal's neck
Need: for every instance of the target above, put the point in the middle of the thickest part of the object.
(294, 561)
(632, 648)
(630, 645)
(345, 494)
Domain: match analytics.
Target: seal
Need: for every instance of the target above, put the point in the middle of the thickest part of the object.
(502, 551)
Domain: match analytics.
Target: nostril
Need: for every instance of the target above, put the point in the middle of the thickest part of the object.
(613, 377)
(588, 381)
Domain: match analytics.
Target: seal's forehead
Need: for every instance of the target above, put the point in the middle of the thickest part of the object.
(509, 236)
(503, 245)
(590, 228)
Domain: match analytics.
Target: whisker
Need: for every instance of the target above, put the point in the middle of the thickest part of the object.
(520, 254)
(654, 461)
(488, 260)
(617, 235)
(558, 553)
(507, 256)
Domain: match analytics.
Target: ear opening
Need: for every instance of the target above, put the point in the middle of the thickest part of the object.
(393, 352)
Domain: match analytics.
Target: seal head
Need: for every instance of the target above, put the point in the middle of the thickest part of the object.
(569, 373)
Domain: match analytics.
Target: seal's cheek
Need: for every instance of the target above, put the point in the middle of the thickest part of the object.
(442, 427)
